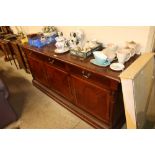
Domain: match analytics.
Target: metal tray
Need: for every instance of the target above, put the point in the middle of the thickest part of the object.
(85, 55)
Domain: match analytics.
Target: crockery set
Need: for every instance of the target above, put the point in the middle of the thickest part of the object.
(75, 44)
(106, 56)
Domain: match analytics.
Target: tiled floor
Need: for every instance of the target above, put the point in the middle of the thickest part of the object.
(35, 109)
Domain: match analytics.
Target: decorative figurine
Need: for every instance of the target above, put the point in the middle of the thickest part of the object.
(61, 43)
(73, 42)
(76, 40)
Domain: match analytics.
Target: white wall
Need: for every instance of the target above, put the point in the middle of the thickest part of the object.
(113, 34)
(106, 34)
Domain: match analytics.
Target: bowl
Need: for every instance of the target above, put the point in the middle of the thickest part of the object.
(100, 57)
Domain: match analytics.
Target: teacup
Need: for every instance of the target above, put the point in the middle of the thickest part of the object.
(131, 44)
(100, 57)
(131, 50)
(123, 55)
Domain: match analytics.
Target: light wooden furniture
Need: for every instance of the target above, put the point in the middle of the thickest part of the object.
(138, 83)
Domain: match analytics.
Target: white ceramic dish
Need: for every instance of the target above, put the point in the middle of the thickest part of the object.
(117, 66)
(93, 61)
(60, 52)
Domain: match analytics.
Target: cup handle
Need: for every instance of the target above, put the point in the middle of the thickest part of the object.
(134, 51)
(128, 57)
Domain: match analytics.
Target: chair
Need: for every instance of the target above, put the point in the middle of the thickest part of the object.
(8, 52)
(7, 114)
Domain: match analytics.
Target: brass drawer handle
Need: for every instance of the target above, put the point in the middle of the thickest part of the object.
(83, 72)
(51, 61)
(86, 75)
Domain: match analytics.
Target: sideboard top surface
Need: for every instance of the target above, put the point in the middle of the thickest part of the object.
(73, 60)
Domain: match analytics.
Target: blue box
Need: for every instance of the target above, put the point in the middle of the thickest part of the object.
(51, 39)
(38, 42)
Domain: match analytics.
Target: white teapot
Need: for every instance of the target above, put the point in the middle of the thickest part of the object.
(61, 43)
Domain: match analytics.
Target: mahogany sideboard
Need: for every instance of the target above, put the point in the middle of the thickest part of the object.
(92, 93)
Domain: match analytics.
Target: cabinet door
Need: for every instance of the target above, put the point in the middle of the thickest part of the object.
(38, 70)
(59, 81)
(91, 98)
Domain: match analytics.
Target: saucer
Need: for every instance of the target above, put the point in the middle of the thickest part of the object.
(117, 66)
(60, 52)
(93, 61)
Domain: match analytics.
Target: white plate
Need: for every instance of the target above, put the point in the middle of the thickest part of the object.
(117, 66)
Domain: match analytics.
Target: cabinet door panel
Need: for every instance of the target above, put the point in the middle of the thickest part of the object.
(92, 98)
(38, 70)
(92, 77)
(59, 81)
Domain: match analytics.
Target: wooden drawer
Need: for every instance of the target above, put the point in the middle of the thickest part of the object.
(51, 61)
(35, 55)
(56, 63)
(90, 76)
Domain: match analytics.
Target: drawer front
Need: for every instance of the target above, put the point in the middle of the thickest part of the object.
(56, 63)
(90, 76)
(51, 61)
(35, 55)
